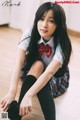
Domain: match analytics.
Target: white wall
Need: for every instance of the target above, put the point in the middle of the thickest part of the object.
(74, 17)
(22, 16)
(4, 14)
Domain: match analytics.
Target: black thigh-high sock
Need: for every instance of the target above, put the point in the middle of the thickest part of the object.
(27, 83)
(44, 96)
(13, 110)
(47, 103)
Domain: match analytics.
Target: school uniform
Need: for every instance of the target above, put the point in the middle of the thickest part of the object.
(58, 83)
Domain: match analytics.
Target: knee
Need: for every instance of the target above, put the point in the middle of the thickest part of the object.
(36, 69)
(39, 65)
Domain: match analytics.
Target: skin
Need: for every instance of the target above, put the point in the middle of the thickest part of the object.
(46, 27)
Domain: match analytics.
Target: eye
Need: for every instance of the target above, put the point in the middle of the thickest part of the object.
(52, 21)
(42, 18)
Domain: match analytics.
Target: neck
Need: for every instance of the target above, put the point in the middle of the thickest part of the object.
(45, 40)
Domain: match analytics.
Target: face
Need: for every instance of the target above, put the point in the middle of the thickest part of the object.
(46, 25)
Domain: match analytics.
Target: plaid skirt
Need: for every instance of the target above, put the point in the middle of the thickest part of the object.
(59, 85)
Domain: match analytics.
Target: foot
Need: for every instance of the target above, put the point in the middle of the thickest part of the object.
(13, 111)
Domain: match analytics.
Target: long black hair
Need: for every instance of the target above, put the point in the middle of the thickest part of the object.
(60, 34)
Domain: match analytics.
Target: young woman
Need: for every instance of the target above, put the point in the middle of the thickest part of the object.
(48, 49)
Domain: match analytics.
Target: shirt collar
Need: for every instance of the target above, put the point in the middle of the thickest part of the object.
(50, 42)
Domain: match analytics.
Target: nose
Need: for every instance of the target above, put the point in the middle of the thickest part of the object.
(45, 24)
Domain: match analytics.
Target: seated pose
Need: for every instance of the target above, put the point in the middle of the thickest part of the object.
(44, 53)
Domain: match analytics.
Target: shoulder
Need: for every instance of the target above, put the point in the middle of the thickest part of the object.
(25, 39)
(59, 49)
(59, 54)
(26, 33)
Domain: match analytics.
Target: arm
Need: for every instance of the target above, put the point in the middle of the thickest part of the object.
(17, 70)
(44, 78)
(14, 80)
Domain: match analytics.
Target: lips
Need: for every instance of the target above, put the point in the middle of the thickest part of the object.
(43, 30)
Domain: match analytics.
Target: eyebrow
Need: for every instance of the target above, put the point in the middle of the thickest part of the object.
(49, 17)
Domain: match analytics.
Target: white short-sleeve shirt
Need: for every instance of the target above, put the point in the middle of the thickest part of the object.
(24, 43)
(25, 39)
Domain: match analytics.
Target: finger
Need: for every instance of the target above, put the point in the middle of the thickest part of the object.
(20, 111)
(26, 111)
(30, 108)
(2, 105)
(6, 107)
(23, 111)
(2, 102)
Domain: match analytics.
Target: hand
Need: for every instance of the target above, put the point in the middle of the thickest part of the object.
(6, 101)
(26, 105)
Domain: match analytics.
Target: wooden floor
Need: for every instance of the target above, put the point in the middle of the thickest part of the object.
(68, 105)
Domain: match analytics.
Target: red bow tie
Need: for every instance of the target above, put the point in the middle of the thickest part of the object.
(42, 48)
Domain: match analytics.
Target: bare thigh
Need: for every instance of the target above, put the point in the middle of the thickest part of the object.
(36, 69)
